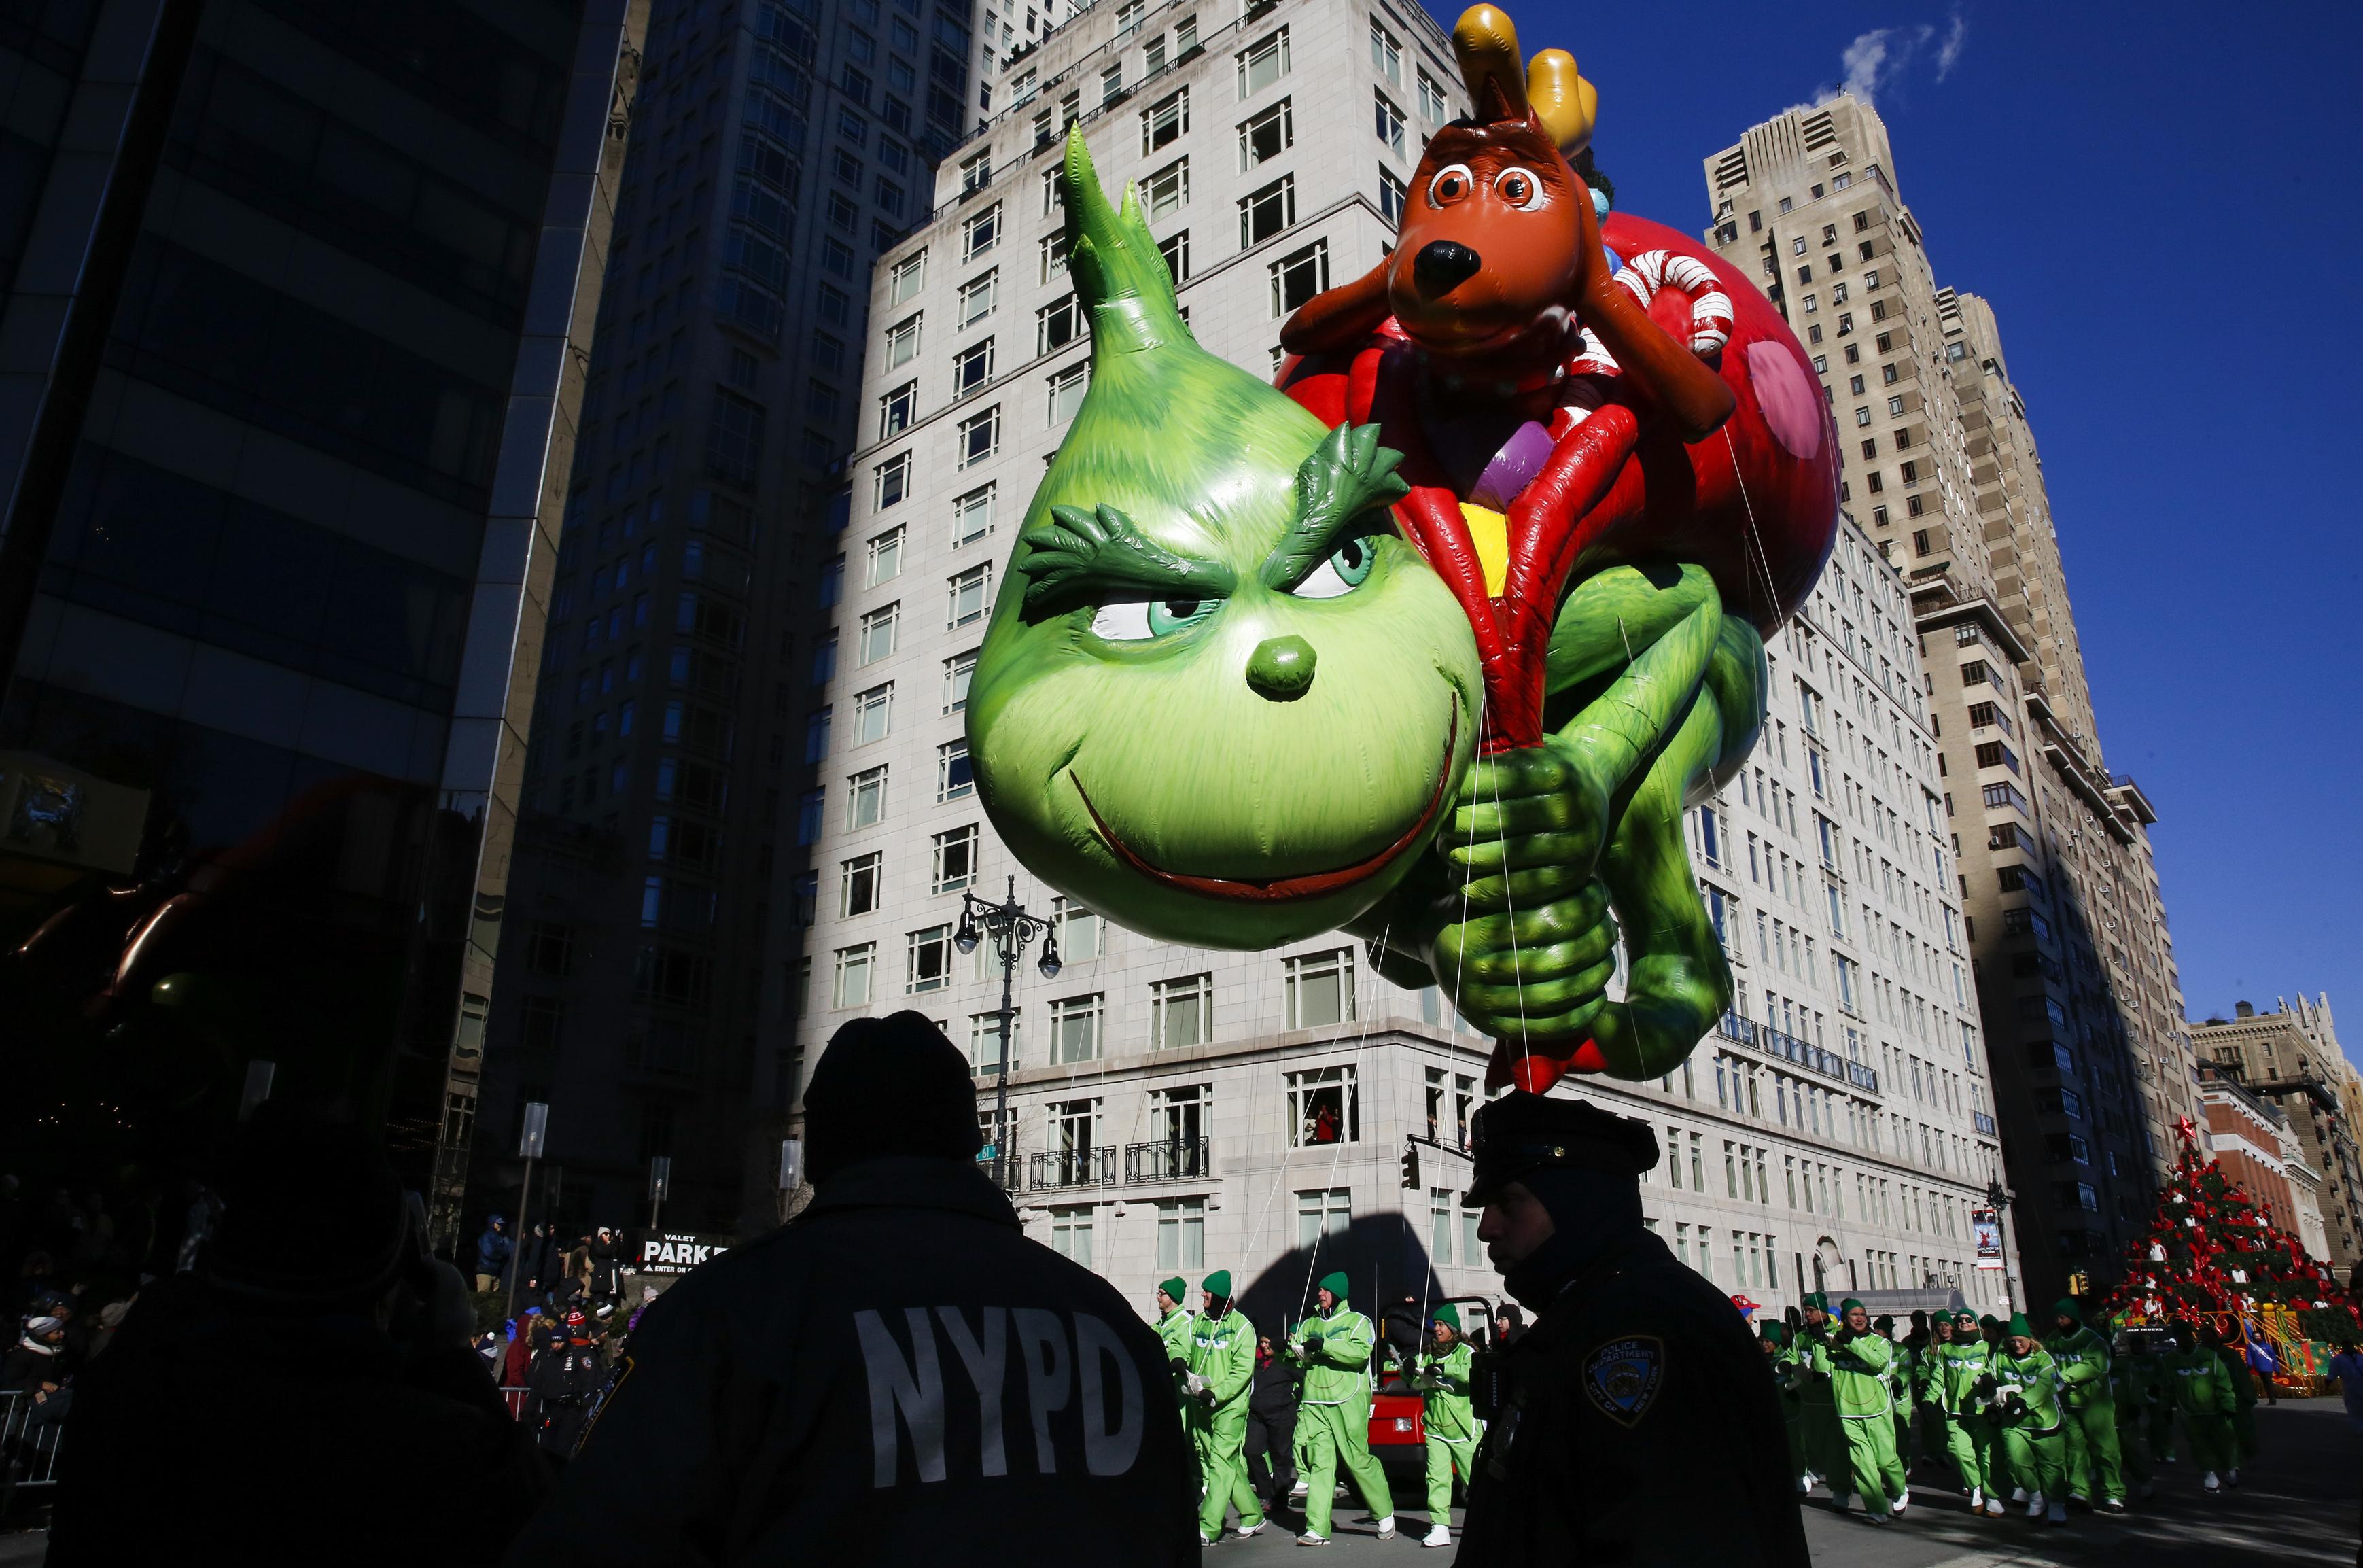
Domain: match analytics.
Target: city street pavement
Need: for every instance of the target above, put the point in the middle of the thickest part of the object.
(2297, 1505)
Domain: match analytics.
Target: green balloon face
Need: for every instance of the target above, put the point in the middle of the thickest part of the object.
(1219, 702)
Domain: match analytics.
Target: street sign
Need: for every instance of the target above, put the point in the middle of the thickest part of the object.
(537, 1129)
(675, 1251)
(1985, 1228)
(659, 1177)
(791, 1163)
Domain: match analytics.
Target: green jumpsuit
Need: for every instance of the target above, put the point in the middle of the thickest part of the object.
(2095, 1469)
(1788, 1380)
(1173, 1331)
(1928, 1409)
(1304, 1428)
(1825, 1446)
(2202, 1394)
(1902, 1378)
(1451, 1426)
(1968, 1431)
(2244, 1403)
(1334, 1414)
(2034, 1446)
(2133, 1389)
(1856, 1366)
(1222, 1351)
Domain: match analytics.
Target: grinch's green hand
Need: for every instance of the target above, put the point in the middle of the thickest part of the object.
(1526, 948)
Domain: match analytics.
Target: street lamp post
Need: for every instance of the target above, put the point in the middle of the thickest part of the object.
(1999, 1201)
(1010, 929)
(531, 1138)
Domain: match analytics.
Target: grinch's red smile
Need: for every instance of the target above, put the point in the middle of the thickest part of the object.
(1312, 884)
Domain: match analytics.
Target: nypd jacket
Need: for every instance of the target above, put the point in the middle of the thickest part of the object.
(1638, 1394)
(896, 1376)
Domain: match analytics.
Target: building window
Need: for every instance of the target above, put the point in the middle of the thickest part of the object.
(977, 296)
(1070, 1234)
(1057, 324)
(955, 780)
(809, 806)
(1165, 122)
(1181, 1235)
(1323, 1215)
(1390, 124)
(1320, 989)
(1175, 249)
(1052, 252)
(1267, 134)
(1080, 931)
(817, 729)
(1435, 104)
(905, 278)
(971, 594)
(1324, 1107)
(865, 800)
(955, 861)
(930, 959)
(873, 713)
(1266, 212)
(981, 233)
(1181, 1012)
(853, 967)
(980, 437)
(1066, 391)
(984, 1040)
(1075, 1029)
(1166, 191)
(857, 885)
(972, 367)
(902, 342)
(959, 670)
(1298, 277)
(897, 409)
(1393, 195)
(893, 481)
(973, 515)
(1262, 62)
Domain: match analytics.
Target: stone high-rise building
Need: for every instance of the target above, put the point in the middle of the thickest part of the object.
(1174, 1107)
(2290, 1056)
(780, 146)
(2076, 973)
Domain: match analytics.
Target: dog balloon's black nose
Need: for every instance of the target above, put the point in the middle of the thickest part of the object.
(1442, 266)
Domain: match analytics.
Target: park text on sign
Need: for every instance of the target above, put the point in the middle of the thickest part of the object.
(666, 1253)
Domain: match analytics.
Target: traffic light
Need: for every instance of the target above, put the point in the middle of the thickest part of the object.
(2080, 1284)
(1410, 1166)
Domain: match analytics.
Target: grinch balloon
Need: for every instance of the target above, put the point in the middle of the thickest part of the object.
(1437, 646)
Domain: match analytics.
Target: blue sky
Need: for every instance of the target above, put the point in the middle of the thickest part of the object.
(2162, 204)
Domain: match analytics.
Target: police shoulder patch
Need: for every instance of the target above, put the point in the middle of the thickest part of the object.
(1622, 1377)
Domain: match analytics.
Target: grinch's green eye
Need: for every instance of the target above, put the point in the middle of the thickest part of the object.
(1347, 568)
(1137, 620)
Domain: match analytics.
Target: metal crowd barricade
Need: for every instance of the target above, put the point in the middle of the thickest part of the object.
(28, 1441)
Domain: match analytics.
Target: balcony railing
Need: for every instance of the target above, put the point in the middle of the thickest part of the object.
(1804, 1054)
(1175, 1159)
(1074, 1168)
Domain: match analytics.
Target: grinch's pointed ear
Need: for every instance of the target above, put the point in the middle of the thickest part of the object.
(1120, 277)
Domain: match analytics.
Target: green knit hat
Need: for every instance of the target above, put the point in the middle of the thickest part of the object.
(1333, 1283)
(1849, 1304)
(1447, 1315)
(1174, 1287)
(1774, 1332)
(1818, 1302)
(1965, 1318)
(2067, 1306)
(1989, 1321)
(2017, 1328)
(1882, 1323)
(1219, 1281)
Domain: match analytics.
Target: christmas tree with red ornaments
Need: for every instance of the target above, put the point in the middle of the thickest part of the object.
(2209, 1252)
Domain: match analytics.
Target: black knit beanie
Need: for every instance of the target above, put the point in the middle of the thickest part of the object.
(890, 1086)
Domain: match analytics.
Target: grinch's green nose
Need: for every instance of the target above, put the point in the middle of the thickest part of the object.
(1281, 668)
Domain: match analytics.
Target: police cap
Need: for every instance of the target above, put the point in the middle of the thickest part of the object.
(1522, 1132)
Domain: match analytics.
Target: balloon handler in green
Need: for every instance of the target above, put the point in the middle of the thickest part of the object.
(1334, 1413)
(2133, 1391)
(1955, 1381)
(1173, 1324)
(2025, 1397)
(2200, 1391)
(1856, 1360)
(1817, 1411)
(2095, 1471)
(1451, 1424)
(1222, 1369)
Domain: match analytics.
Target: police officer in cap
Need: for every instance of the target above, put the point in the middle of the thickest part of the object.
(897, 1376)
(1636, 1421)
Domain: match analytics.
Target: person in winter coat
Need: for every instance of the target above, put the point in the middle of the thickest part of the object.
(1956, 1387)
(605, 1278)
(2133, 1392)
(493, 1249)
(1222, 1370)
(2095, 1468)
(2243, 1381)
(1271, 1447)
(1173, 1324)
(518, 1358)
(279, 1401)
(2204, 1398)
(561, 1388)
(2024, 1398)
(1778, 1341)
(1449, 1420)
(1858, 1360)
(1827, 1457)
(898, 1375)
(39, 1357)
(1333, 1412)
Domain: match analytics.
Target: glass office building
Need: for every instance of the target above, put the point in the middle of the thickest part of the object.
(297, 301)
